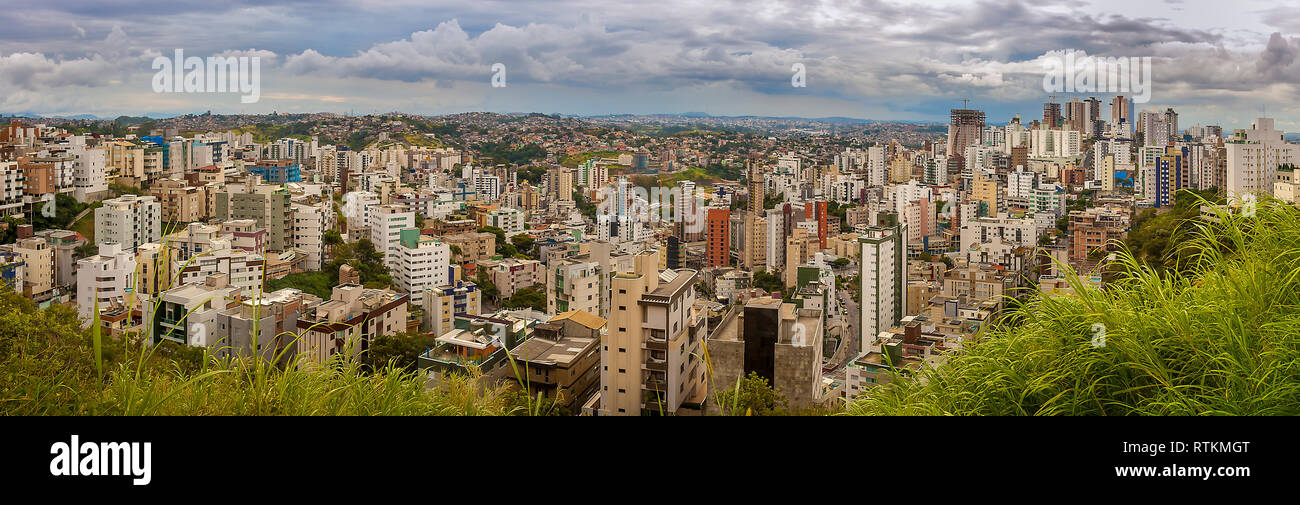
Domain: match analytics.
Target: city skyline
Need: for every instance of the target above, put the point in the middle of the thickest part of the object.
(878, 60)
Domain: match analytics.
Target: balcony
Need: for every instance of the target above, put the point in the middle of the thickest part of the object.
(655, 364)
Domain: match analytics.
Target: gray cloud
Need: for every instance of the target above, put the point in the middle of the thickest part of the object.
(867, 55)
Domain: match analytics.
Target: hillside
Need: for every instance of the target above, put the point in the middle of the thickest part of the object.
(1223, 338)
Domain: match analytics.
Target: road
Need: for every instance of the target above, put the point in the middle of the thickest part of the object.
(849, 313)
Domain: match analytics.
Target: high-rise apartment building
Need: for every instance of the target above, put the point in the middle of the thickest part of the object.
(883, 280)
(719, 237)
(754, 245)
(1051, 115)
(386, 225)
(964, 129)
(651, 362)
(422, 263)
(129, 221)
(1252, 158)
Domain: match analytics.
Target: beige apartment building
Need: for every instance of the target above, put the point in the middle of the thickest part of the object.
(473, 246)
(181, 203)
(38, 276)
(651, 353)
(562, 358)
(349, 321)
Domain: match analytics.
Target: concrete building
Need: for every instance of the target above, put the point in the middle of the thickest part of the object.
(509, 220)
(105, 278)
(650, 356)
(243, 270)
(561, 360)
(473, 246)
(573, 284)
(511, 275)
(349, 321)
(13, 187)
(267, 204)
(779, 341)
(38, 271)
(1253, 157)
(180, 202)
(441, 306)
(187, 314)
(128, 221)
(310, 221)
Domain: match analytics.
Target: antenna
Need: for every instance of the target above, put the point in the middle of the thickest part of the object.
(964, 102)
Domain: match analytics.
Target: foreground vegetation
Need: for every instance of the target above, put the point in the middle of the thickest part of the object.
(48, 366)
(1220, 336)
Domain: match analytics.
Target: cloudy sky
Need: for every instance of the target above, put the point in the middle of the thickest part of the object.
(1215, 62)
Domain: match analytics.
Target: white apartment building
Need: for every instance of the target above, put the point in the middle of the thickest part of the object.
(386, 225)
(991, 239)
(1253, 156)
(488, 187)
(309, 225)
(883, 280)
(88, 172)
(1045, 143)
(245, 269)
(12, 185)
(357, 206)
(129, 221)
(105, 278)
(423, 262)
(573, 285)
(510, 220)
(1021, 184)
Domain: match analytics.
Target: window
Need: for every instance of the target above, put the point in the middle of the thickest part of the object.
(622, 349)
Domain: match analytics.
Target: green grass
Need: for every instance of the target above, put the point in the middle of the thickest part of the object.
(86, 227)
(48, 366)
(573, 160)
(1219, 338)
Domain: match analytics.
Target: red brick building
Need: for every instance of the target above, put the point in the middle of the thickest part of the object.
(719, 237)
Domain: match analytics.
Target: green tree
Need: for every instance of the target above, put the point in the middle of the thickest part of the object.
(523, 243)
(768, 282)
(488, 288)
(403, 348)
(531, 297)
(752, 397)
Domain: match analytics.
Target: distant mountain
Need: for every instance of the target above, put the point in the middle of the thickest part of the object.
(130, 119)
(830, 119)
